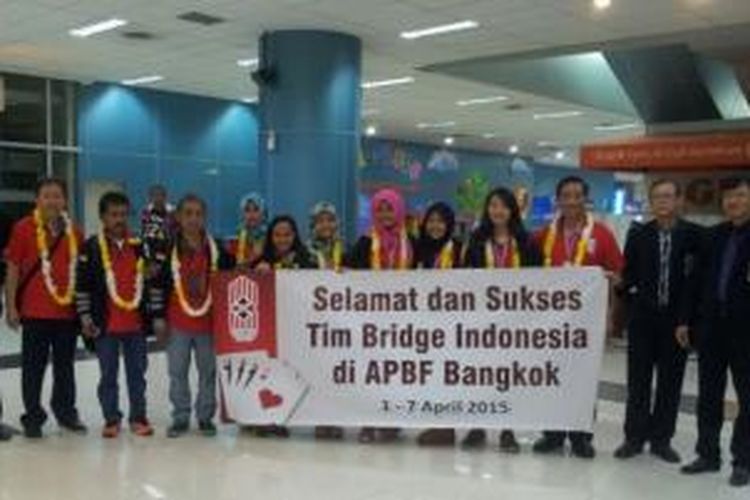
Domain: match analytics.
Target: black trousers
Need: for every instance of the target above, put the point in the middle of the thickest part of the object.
(40, 339)
(726, 347)
(653, 349)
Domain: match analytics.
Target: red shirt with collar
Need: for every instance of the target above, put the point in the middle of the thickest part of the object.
(195, 275)
(36, 302)
(602, 250)
(124, 265)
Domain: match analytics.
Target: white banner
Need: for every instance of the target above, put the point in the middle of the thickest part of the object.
(514, 349)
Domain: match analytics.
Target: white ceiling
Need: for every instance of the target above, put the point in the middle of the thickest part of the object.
(202, 60)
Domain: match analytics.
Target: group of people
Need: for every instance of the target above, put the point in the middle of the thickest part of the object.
(685, 286)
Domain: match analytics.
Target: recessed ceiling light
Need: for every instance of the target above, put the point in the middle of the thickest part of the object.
(449, 141)
(250, 100)
(481, 100)
(436, 125)
(388, 83)
(560, 155)
(546, 144)
(611, 127)
(439, 30)
(513, 149)
(247, 63)
(143, 80)
(96, 28)
(489, 135)
(557, 115)
(371, 131)
(602, 4)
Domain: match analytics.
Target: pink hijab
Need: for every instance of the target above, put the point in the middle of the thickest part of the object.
(390, 238)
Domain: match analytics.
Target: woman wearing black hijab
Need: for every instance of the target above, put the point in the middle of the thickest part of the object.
(437, 249)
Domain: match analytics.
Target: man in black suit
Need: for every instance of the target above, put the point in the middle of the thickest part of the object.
(661, 283)
(724, 337)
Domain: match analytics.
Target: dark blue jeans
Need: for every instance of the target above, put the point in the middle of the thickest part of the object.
(134, 352)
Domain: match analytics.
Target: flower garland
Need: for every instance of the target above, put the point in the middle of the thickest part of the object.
(403, 257)
(66, 298)
(337, 257)
(242, 247)
(205, 307)
(489, 255)
(126, 305)
(445, 258)
(581, 245)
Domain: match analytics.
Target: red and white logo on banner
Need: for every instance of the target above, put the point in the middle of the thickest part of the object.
(242, 295)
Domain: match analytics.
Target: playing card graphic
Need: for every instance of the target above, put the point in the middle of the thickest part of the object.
(242, 296)
(268, 391)
(236, 372)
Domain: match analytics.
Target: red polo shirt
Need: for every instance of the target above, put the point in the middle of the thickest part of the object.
(194, 273)
(602, 249)
(36, 302)
(124, 264)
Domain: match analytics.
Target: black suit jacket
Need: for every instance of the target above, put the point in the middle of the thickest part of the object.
(736, 309)
(642, 262)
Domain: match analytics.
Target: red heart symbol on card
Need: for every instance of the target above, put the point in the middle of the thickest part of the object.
(269, 399)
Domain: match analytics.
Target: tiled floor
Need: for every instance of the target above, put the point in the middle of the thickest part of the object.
(236, 466)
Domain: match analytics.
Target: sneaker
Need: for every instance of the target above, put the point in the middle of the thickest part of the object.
(508, 443)
(141, 428)
(628, 450)
(666, 453)
(366, 435)
(6, 433)
(701, 465)
(547, 445)
(75, 426)
(437, 437)
(178, 429)
(207, 428)
(476, 438)
(740, 476)
(111, 430)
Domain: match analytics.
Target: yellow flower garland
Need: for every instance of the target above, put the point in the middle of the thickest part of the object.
(180, 290)
(489, 255)
(125, 305)
(403, 257)
(581, 246)
(242, 247)
(66, 298)
(445, 259)
(338, 257)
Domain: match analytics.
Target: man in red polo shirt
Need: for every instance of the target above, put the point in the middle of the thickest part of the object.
(113, 298)
(195, 256)
(41, 258)
(574, 238)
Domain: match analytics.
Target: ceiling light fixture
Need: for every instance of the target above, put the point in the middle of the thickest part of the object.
(96, 28)
(143, 80)
(513, 149)
(611, 127)
(557, 115)
(371, 131)
(489, 135)
(449, 141)
(481, 100)
(560, 155)
(247, 63)
(440, 30)
(388, 83)
(436, 125)
(602, 4)
(250, 100)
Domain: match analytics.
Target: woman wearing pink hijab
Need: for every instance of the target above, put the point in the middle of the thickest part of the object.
(386, 246)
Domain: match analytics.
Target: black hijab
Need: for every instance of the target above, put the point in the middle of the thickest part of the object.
(428, 248)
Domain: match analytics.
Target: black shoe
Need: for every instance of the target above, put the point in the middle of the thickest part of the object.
(740, 476)
(666, 453)
(207, 428)
(6, 433)
(701, 465)
(508, 443)
(628, 450)
(547, 445)
(476, 438)
(178, 429)
(74, 426)
(32, 432)
(583, 449)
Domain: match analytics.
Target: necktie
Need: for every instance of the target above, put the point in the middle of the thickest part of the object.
(665, 250)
